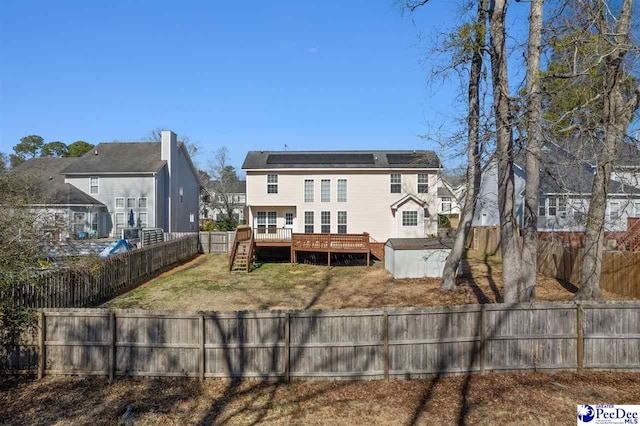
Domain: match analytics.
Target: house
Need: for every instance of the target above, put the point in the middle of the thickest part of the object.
(450, 197)
(97, 193)
(387, 194)
(212, 204)
(565, 192)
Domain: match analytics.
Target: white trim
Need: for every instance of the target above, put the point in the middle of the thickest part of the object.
(343, 169)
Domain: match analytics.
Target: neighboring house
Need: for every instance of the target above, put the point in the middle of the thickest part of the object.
(486, 211)
(211, 204)
(450, 197)
(388, 194)
(155, 180)
(63, 208)
(565, 192)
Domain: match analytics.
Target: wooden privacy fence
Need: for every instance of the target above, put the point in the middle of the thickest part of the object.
(208, 242)
(357, 344)
(65, 288)
(620, 269)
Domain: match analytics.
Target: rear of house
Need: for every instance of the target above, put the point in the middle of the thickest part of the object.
(386, 194)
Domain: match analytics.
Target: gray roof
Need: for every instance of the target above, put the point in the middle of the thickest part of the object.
(51, 182)
(420, 243)
(443, 191)
(454, 181)
(237, 187)
(119, 157)
(341, 159)
(561, 172)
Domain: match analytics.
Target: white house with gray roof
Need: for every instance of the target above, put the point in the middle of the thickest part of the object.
(155, 181)
(388, 194)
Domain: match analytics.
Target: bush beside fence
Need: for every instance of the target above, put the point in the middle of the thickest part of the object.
(340, 344)
(66, 288)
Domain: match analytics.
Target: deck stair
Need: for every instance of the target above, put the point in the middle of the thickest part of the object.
(241, 259)
(242, 251)
(377, 249)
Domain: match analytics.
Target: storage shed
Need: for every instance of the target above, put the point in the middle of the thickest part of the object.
(416, 257)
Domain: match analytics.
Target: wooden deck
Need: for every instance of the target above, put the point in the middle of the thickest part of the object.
(322, 243)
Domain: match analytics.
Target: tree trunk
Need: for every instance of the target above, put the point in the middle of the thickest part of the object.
(511, 258)
(618, 113)
(473, 154)
(532, 155)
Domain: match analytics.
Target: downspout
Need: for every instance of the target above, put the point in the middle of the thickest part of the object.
(155, 200)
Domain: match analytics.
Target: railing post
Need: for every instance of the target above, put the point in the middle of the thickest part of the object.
(580, 337)
(42, 331)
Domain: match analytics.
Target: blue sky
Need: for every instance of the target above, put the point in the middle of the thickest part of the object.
(245, 75)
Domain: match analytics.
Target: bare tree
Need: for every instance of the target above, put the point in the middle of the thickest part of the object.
(473, 172)
(224, 184)
(532, 154)
(619, 108)
(511, 256)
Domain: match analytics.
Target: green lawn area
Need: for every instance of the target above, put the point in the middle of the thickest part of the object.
(205, 284)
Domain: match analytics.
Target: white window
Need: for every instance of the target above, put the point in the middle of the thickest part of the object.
(562, 207)
(288, 218)
(120, 223)
(142, 202)
(325, 222)
(325, 191)
(636, 209)
(131, 202)
(446, 204)
(308, 222)
(143, 220)
(119, 203)
(396, 183)
(542, 207)
(342, 190)
(342, 222)
(423, 183)
(79, 221)
(262, 221)
(272, 218)
(614, 210)
(94, 184)
(308, 190)
(272, 184)
(410, 218)
(552, 207)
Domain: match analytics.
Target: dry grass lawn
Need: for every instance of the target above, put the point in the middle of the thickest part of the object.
(519, 399)
(205, 284)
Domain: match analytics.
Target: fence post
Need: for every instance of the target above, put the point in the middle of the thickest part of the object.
(385, 324)
(41, 346)
(112, 348)
(287, 347)
(202, 352)
(580, 340)
(483, 338)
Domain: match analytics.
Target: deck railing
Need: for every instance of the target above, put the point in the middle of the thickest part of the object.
(330, 242)
(272, 234)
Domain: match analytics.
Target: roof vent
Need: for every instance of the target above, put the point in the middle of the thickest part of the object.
(95, 152)
(50, 177)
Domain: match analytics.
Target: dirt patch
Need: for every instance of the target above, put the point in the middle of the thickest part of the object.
(205, 284)
(529, 398)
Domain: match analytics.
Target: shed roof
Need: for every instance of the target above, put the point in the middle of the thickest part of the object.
(420, 243)
(341, 159)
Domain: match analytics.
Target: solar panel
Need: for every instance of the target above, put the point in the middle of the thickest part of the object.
(320, 159)
(408, 159)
